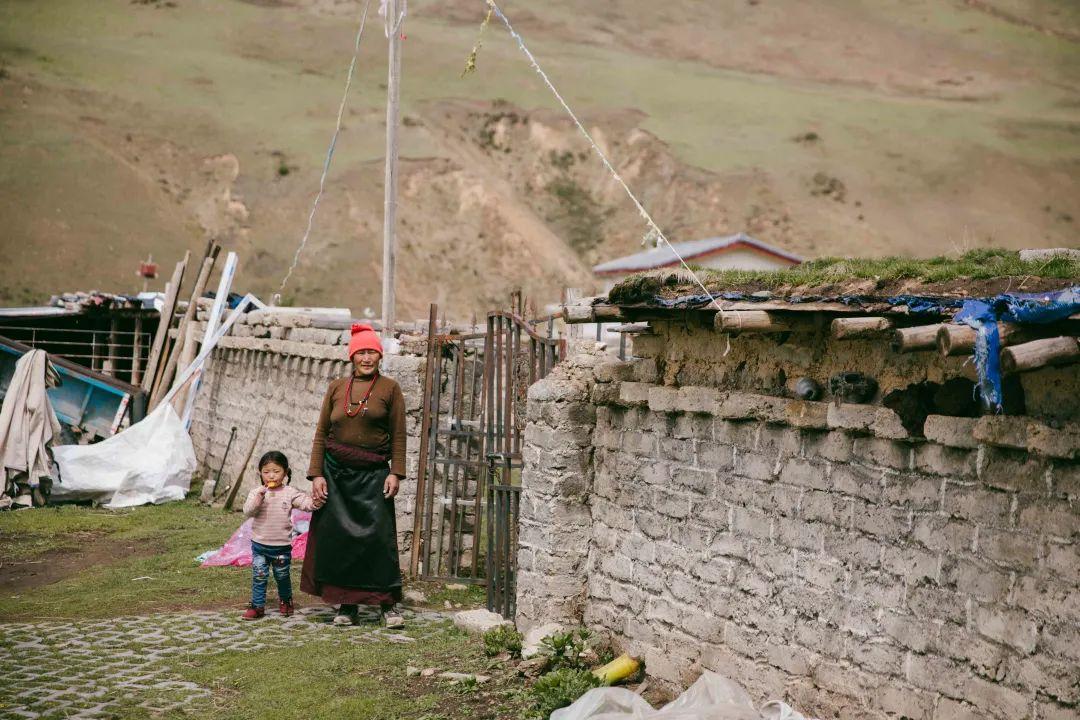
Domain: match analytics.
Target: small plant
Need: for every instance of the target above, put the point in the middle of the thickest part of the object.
(467, 686)
(566, 649)
(502, 639)
(560, 688)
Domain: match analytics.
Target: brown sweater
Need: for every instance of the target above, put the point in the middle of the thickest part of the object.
(381, 429)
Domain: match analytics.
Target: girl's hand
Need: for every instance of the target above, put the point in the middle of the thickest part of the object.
(262, 491)
(318, 489)
(391, 486)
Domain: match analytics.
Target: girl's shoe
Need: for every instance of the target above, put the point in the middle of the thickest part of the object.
(393, 619)
(253, 613)
(285, 607)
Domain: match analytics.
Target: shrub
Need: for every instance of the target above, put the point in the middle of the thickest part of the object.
(502, 639)
(565, 649)
(560, 688)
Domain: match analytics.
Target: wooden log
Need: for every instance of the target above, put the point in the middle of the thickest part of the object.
(923, 337)
(109, 365)
(174, 356)
(957, 339)
(632, 328)
(801, 307)
(607, 313)
(761, 321)
(1040, 353)
(860, 327)
(167, 310)
(187, 355)
(136, 352)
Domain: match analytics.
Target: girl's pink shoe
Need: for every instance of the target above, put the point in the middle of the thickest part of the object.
(286, 608)
(253, 613)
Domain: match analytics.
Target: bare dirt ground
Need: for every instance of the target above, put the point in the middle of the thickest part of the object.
(829, 127)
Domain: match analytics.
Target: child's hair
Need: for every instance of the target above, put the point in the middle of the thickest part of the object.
(278, 458)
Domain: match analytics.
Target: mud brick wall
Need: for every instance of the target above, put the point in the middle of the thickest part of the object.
(277, 365)
(813, 552)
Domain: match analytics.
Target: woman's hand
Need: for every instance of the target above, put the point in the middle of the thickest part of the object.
(391, 486)
(318, 489)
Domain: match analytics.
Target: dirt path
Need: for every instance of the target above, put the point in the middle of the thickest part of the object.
(55, 565)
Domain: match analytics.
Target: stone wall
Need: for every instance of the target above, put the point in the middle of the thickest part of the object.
(276, 364)
(813, 552)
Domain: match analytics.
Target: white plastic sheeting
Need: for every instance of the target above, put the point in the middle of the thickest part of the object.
(150, 462)
(712, 697)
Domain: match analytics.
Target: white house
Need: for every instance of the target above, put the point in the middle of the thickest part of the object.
(734, 252)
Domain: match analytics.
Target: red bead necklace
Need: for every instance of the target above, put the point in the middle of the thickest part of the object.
(362, 409)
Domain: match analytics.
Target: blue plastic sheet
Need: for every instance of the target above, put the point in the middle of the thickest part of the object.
(924, 305)
(985, 314)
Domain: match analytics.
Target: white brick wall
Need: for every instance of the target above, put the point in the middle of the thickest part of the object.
(808, 557)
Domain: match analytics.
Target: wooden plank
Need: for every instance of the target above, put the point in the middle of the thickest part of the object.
(167, 310)
(174, 356)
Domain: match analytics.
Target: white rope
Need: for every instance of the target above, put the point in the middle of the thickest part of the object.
(329, 156)
(655, 233)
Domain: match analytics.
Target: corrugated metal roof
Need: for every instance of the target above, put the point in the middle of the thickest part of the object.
(663, 256)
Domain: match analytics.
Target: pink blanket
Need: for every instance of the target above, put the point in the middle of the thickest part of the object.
(237, 551)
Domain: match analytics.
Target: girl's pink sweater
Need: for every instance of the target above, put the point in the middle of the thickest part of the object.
(272, 513)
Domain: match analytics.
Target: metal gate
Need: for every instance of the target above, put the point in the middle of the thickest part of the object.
(469, 484)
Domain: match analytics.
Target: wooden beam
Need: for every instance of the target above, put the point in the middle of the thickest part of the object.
(923, 337)
(805, 307)
(957, 339)
(136, 352)
(172, 289)
(860, 327)
(607, 313)
(174, 357)
(736, 321)
(1040, 353)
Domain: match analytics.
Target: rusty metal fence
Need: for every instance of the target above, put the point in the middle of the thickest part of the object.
(469, 481)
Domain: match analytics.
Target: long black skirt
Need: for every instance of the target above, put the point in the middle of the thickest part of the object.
(352, 554)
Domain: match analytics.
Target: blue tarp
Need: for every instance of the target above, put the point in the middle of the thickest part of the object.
(984, 315)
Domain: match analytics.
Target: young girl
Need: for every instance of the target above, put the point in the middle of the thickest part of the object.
(271, 545)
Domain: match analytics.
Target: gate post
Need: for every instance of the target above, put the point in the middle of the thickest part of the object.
(555, 526)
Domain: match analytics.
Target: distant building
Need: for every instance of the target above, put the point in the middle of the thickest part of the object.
(734, 252)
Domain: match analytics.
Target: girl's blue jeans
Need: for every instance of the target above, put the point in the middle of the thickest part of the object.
(267, 558)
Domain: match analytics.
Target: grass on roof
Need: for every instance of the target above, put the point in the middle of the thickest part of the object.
(974, 265)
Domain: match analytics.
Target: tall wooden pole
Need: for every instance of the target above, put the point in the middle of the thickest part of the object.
(393, 90)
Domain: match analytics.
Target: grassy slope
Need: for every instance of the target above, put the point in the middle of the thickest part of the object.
(214, 77)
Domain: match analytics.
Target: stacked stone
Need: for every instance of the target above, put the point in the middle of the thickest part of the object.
(810, 551)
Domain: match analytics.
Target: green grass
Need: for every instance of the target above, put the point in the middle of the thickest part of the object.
(333, 679)
(471, 596)
(975, 265)
(174, 533)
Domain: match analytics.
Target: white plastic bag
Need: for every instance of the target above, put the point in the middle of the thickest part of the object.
(150, 462)
(711, 697)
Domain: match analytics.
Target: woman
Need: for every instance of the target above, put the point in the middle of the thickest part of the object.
(357, 463)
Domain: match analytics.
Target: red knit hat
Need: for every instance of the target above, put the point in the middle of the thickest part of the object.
(364, 337)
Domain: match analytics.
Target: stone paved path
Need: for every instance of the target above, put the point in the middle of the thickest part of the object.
(84, 669)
